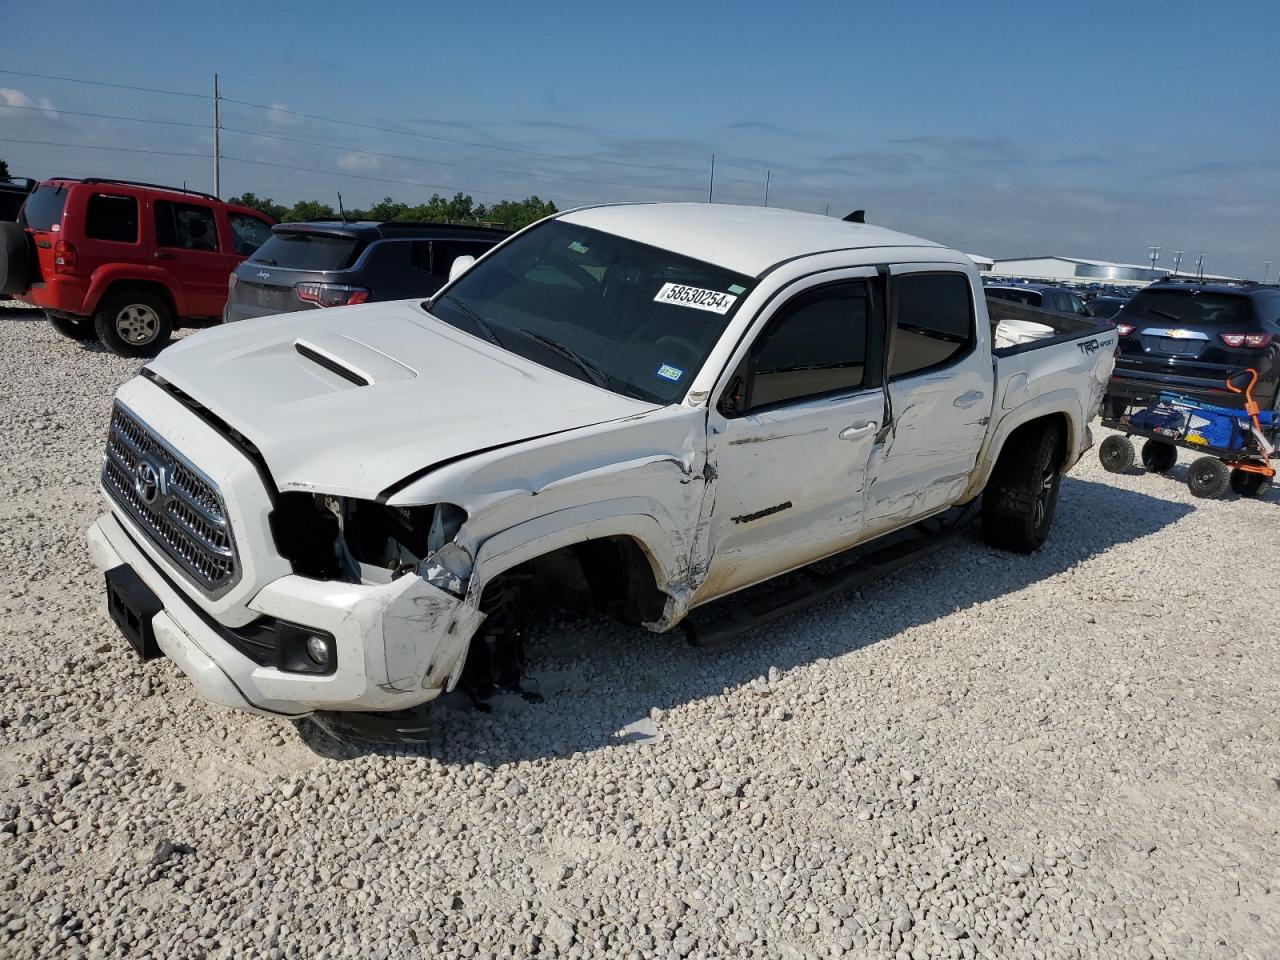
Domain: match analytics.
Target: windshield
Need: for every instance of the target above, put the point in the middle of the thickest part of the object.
(1190, 307)
(298, 250)
(635, 319)
(44, 207)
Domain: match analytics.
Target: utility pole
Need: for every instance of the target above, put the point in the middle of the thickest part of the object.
(1155, 255)
(1200, 266)
(217, 151)
(768, 174)
(711, 187)
(1177, 261)
(1266, 270)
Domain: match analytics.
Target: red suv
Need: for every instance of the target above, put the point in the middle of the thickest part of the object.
(125, 262)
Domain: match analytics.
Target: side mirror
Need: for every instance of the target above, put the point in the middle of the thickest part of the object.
(460, 266)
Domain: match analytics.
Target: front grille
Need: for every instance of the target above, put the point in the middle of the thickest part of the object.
(179, 508)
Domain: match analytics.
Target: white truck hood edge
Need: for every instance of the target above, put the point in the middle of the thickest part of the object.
(434, 393)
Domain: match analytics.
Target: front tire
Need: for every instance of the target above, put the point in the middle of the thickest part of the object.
(77, 328)
(134, 323)
(1022, 495)
(1208, 477)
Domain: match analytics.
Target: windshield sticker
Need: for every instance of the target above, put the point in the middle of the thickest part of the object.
(578, 247)
(668, 372)
(695, 297)
(736, 288)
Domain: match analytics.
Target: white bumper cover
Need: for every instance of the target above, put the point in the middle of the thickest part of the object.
(398, 644)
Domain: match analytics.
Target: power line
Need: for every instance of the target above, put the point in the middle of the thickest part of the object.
(88, 146)
(106, 116)
(369, 126)
(103, 83)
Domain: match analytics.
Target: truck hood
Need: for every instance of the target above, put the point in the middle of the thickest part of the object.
(354, 400)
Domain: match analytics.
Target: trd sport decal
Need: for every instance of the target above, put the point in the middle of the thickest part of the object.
(761, 514)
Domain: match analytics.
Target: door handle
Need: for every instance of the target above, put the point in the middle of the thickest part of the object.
(161, 255)
(967, 399)
(860, 429)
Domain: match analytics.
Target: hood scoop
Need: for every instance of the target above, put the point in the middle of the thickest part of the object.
(353, 361)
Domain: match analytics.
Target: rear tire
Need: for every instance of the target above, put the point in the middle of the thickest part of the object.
(16, 257)
(1208, 477)
(134, 323)
(1022, 495)
(1116, 454)
(1249, 484)
(1159, 456)
(77, 328)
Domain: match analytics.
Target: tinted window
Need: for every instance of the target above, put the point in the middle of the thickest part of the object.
(816, 345)
(110, 217)
(933, 321)
(640, 320)
(436, 256)
(44, 207)
(1030, 297)
(1190, 307)
(189, 226)
(308, 251)
(248, 232)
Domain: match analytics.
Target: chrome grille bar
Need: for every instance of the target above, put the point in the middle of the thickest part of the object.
(178, 507)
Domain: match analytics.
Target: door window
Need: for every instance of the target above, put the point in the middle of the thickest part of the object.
(187, 226)
(933, 322)
(249, 233)
(109, 217)
(814, 346)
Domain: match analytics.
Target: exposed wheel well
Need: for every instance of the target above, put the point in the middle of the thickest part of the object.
(615, 573)
(1057, 422)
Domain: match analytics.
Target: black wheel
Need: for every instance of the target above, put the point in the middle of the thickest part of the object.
(1249, 484)
(1208, 477)
(16, 257)
(77, 328)
(134, 323)
(1020, 499)
(1159, 456)
(1116, 454)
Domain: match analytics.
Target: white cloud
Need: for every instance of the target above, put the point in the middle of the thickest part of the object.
(11, 97)
(359, 162)
(279, 116)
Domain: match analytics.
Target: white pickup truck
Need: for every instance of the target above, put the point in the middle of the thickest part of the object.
(326, 511)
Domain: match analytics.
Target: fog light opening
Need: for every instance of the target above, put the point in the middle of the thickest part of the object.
(318, 650)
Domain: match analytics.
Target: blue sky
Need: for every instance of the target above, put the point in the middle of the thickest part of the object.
(1086, 129)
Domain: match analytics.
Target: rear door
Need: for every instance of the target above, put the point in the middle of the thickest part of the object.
(940, 383)
(42, 215)
(192, 251)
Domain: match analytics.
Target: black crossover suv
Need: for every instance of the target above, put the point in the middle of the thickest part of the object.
(1186, 336)
(334, 264)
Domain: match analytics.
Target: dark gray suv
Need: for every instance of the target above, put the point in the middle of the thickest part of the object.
(334, 264)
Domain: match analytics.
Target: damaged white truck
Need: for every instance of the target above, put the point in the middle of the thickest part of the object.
(337, 510)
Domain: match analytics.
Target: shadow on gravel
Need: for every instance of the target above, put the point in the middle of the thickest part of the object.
(1177, 477)
(601, 679)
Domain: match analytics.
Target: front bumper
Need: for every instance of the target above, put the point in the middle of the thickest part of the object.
(398, 644)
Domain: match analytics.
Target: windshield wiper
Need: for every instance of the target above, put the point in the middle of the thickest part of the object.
(267, 260)
(1167, 316)
(594, 373)
(474, 317)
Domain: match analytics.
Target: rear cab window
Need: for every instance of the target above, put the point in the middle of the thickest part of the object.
(933, 322)
(304, 250)
(43, 209)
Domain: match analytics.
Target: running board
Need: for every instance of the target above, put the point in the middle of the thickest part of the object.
(743, 615)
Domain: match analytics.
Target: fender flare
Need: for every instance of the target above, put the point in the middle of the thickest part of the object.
(1064, 403)
(107, 277)
(644, 520)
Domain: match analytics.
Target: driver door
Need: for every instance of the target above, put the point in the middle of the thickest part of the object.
(791, 436)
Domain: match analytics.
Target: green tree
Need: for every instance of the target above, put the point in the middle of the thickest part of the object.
(308, 210)
(265, 205)
(515, 214)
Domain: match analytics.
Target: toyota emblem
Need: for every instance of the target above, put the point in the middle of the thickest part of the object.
(148, 481)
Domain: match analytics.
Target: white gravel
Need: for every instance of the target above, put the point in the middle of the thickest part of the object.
(1069, 755)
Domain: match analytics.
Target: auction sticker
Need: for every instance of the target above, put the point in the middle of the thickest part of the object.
(695, 297)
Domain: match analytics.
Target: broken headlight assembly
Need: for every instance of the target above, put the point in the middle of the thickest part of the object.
(343, 538)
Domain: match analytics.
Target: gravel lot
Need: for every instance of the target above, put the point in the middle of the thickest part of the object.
(1069, 755)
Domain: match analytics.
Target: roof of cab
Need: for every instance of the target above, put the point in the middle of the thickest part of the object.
(746, 240)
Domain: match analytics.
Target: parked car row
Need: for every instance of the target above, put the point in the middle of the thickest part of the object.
(127, 263)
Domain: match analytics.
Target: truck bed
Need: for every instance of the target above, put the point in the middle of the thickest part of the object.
(1068, 327)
